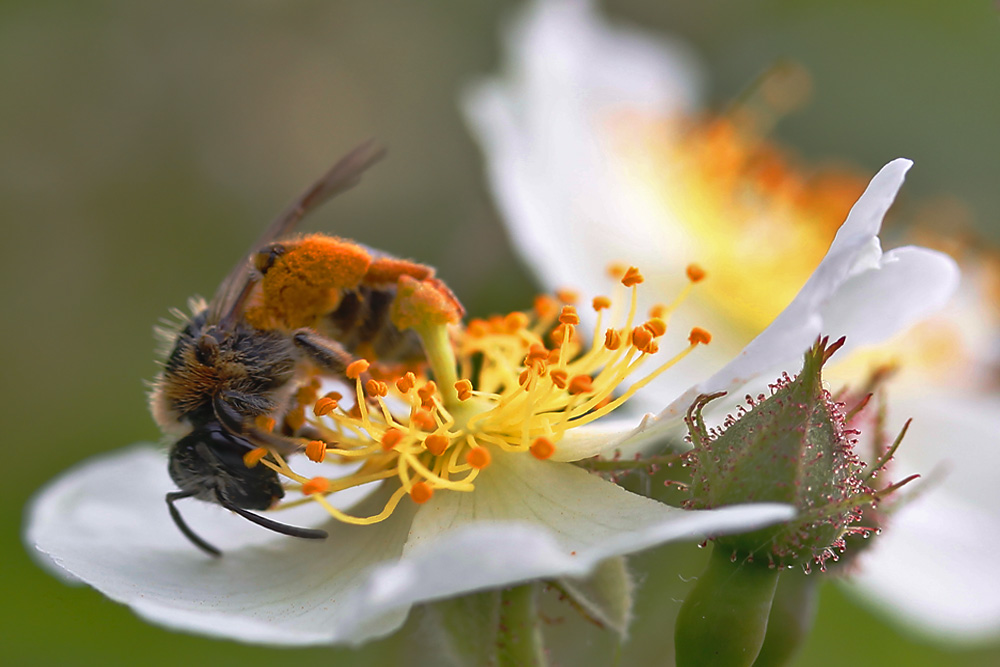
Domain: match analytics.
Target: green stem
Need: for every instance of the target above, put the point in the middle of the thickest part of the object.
(519, 643)
(723, 621)
(791, 619)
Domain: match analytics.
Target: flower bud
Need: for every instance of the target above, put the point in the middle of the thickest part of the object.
(791, 447)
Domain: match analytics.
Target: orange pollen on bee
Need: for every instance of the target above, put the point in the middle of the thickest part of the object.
(632, 277)
(580, 384)
(424, 420)
(315, 485)
(254, 456)
(316, 451)
(612, 339)
(391, 438)
(699, 336)
(436, 444)
(356, 368)
(601, 303)
(567, 296)
(324, 406)
(264, 423)
(406, 383)
(464, 389)
(377, 388)
(568, 316)
(695, 273)
(478, 457)
(542, 448)
(421, 492)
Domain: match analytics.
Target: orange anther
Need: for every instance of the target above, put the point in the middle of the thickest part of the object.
(514, 322)
(464, 389)
(612, 339)
(391, 438)
(334, 395)
(295, 418)
(569, 316)
(655, 326)
(356, 368)
(545, 306)
(632, 277)
(478, 457)
(478, 328)
(559, 378)
(542, 448)
(315, 485)
(641, 337)
(559, 334)
(616, 270)
(695, 273)
(601, 302)
(324, 406)
(421, 492)
(658, 311)
(253, 457)
(581, 384)
(699, 336)
(316, 450)
(567, 296)
(376, 388)
(553, 356)
(406, 383)
(536, 352)
(424, 420)
(426, 393)
(264, 423)
(436, 444)
(306, 395)
(524, 378)
(652, 348)
(355, 412)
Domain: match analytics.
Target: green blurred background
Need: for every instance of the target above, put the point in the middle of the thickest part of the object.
(144, 145)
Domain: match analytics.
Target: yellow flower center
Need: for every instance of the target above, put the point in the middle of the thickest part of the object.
(524, 381)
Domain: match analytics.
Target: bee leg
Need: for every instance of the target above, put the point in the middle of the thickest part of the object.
(327, 354)
(235, 423)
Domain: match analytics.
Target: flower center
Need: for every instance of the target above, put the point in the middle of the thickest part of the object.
(525, 380)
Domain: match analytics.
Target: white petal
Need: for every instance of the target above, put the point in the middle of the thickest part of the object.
(855, 291)
(536, 519)
(549, 159)
(106, 523)
(934, 565)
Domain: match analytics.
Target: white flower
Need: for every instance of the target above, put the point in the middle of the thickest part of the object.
(630, 178)
(477, 491)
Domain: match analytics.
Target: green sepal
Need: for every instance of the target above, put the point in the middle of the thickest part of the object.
(606, 595)
(790, 622)
(467, 629)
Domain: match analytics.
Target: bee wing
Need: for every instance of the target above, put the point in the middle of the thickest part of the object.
(229, 299)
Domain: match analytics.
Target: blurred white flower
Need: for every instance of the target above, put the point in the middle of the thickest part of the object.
(586, 173)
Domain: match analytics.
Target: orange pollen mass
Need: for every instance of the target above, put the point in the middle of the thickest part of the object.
(391, 438)
(641, 337)
(253, 457)
(542, 448)
(601, 302)
(581, 384)
(421, 492)
(324, 406)
(695, 273)
(567, 296)
(406, 383)
(632, 277)
(478, 457)
(699, 336)
(612, 339)
(464, 389)
(356, 368)
(264, 423)
(655, 326)
(436, 444)
(316, 451)
(559, 378)
(569, 316)
(315, 485)
(514, 322)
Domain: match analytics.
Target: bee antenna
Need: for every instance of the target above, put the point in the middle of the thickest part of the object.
(271, 524)
(184, 528)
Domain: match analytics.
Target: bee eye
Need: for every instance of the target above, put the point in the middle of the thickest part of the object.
(207, 349)
(265, 259)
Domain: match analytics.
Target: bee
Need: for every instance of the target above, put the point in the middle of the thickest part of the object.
(289, 311)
